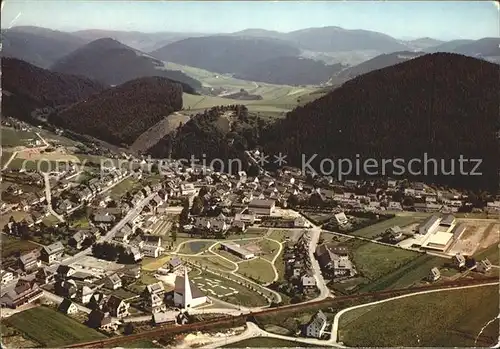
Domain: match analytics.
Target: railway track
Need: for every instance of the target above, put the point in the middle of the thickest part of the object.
(233, 321)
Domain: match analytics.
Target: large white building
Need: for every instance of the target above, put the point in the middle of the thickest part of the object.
(429, 225)
(187, 295)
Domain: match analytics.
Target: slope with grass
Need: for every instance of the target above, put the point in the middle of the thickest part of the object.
(50, 328)
(444, 319)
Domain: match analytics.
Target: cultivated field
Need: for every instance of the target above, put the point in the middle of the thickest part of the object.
(444, 319)
(50, 328)
(378, 228)
(374, 260)
(15, 138)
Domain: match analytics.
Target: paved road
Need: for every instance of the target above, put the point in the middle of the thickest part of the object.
(133, 213)
(314, 234)
(7, 163)
(48, 197)
(251, 331)
(276, 256)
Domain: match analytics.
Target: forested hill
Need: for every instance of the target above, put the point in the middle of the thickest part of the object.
(114, 63)
(120, 114)
(442, 104)
(26, 87)
(45, 86)
(222, 132)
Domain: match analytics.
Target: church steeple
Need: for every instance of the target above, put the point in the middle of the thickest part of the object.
(187, 297)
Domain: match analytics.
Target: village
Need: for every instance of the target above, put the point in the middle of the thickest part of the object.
(124, 249)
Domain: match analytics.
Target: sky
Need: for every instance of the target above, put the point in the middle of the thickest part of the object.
(445, 20)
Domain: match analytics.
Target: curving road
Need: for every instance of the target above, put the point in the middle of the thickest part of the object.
(48, 197)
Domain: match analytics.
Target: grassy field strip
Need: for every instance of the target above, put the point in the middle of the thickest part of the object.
(51, 328)
(433, 318)
(378, 228)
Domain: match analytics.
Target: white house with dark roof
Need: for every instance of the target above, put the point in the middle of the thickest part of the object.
(458, 260)
(52, 253)
(341, 218)
(434, 274)
(316, 327)
(113, 282)
(484, 266)
(67, 307)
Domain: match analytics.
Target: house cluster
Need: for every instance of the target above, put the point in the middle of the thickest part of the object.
(298, 265)
(462, 262)
(76, 196)
(21, 281)
(334, 261)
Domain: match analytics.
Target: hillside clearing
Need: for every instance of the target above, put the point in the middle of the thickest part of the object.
(444, 319)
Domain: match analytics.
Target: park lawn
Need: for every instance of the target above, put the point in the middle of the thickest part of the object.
(269, 249)
(211, 261)
(256, 269)
(11, 245)
(379, 228)
(280, 234)
(413, 272)
(50, 328)
(14, 138)
(266, 342)
(374, 260)
(444, 319)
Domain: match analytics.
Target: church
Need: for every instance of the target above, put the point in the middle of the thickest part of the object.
(187, 295)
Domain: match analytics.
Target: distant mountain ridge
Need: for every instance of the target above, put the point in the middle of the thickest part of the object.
(145, 42)
(114, 63)
(379, 62)
(224, 54)
(290, 71)
(38, 46)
